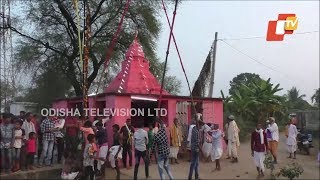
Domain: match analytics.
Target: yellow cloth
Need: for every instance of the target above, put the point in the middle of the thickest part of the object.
(176, 136)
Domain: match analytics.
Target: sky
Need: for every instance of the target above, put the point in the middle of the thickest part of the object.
(292, 62)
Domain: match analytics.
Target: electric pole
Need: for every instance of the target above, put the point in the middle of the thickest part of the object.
(213, 63)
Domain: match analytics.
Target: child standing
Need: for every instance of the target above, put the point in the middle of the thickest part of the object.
(115, 152)
(31, 150)
(87, 129)
(18, 136)
(89, 156)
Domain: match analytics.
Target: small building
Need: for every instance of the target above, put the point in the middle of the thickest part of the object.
(136, 87)
(16, 107)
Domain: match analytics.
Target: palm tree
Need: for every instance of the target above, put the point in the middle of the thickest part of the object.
(295, 99)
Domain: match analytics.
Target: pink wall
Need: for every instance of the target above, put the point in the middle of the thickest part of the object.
(91, 104)
(110, 103)
(171, 111)
(60, 104)
(208, 112)
(218, 113)
(218, 116)
(122, 102)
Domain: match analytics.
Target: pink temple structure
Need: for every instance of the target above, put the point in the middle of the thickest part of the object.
(136, 87)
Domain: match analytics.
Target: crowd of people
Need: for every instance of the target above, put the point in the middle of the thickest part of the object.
(25, 138)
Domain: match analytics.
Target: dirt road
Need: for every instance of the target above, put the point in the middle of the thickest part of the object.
(245, 169)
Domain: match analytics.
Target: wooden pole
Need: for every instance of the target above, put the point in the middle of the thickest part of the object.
(86, 58)
(213, 63)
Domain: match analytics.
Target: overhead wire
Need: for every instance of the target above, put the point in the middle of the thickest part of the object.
(257, 61)
(263, 37)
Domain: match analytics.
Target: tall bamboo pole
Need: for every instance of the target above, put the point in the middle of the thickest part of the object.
(86, 55)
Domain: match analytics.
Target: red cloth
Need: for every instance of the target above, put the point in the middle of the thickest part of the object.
(256, 142)
(71, 131)
(31, 146)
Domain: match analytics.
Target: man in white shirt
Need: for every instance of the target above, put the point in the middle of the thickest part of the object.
(273, 144)
(140, 150)
(193, 124)
(59, 125)
(292, 139)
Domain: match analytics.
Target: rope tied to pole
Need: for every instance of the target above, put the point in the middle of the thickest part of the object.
(180, 59)
(113, 42)
(167, 53)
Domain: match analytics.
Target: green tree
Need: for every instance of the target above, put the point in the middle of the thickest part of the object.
(295, 100)
(243, 78)
(316, 98)
(173, 85)
(7, 93)
(48, 42)
(253, 102)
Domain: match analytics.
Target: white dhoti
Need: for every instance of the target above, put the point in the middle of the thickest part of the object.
(292, 148)
(103, 151)
(292, 144)
(258, 158)
(232, 149)
(113, 151)
(207, 149)
(174, 152)
(216, 153)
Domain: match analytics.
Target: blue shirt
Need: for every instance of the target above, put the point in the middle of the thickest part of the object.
(216, 139)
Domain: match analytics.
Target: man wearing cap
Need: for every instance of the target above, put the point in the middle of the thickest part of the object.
(233, 138)
(273, 144)
(292, 139)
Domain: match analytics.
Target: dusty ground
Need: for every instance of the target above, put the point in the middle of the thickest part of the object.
(245, 169)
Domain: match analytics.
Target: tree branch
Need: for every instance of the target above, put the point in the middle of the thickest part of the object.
(67, 15)
(107, 22)
(39, 42)
(92, 19)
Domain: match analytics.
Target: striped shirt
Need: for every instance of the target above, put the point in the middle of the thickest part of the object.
(46, 125)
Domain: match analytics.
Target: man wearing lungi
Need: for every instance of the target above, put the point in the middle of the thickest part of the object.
(273, 144)
(259, 146)
(233, 138)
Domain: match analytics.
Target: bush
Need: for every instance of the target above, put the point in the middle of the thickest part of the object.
(291, 171)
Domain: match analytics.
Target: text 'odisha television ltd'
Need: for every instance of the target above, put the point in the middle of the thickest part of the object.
(93, 112)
